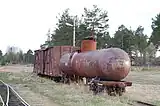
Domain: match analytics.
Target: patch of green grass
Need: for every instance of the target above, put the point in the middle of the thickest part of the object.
(12, 78)
(1, 104)
(157, 103)
(144, 68)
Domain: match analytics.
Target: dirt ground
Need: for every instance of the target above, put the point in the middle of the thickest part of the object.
(16, 68)
(39, 91)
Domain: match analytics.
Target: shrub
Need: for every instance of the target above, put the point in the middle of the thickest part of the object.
(2, 63)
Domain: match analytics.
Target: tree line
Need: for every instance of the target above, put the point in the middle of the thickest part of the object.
(140, 47)
(15, 56)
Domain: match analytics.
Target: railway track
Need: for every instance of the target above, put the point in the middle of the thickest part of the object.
(9, 97)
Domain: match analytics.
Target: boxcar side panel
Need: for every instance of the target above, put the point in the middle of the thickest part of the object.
(38, 61)
(47, 60)
(42, 62)
(56, 53)
(65, 49)
(55, 57)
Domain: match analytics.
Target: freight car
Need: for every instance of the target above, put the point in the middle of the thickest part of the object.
(103, 69)
(46, 62)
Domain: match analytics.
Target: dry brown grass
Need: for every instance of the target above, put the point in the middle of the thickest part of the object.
(45, 92)
(62, 94)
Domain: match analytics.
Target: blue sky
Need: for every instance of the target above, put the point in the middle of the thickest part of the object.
(24, 23)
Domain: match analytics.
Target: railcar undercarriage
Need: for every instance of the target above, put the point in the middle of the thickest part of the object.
(112, 88)
(96, 85)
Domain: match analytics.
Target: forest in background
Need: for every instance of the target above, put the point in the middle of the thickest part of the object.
(16, 56)
(141, 48)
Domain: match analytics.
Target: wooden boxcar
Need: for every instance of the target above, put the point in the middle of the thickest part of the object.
(47, 60)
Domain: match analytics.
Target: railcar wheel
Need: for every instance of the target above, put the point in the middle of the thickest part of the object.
(110, 91)
(120, 91)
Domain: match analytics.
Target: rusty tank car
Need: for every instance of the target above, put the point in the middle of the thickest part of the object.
(110, 64)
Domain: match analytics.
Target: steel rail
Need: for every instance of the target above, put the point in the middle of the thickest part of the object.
(22, 100)
(7, 94)
(15, 94)
(2, 101)
(5, 104)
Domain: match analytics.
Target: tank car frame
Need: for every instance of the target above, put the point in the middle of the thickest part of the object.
(112, 88)
(97, 85)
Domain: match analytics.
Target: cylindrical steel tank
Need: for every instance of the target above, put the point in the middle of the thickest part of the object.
(88, 44)
(65, 64)
(110, 64)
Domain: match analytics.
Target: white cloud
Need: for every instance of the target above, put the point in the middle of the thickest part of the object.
(25, 23)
